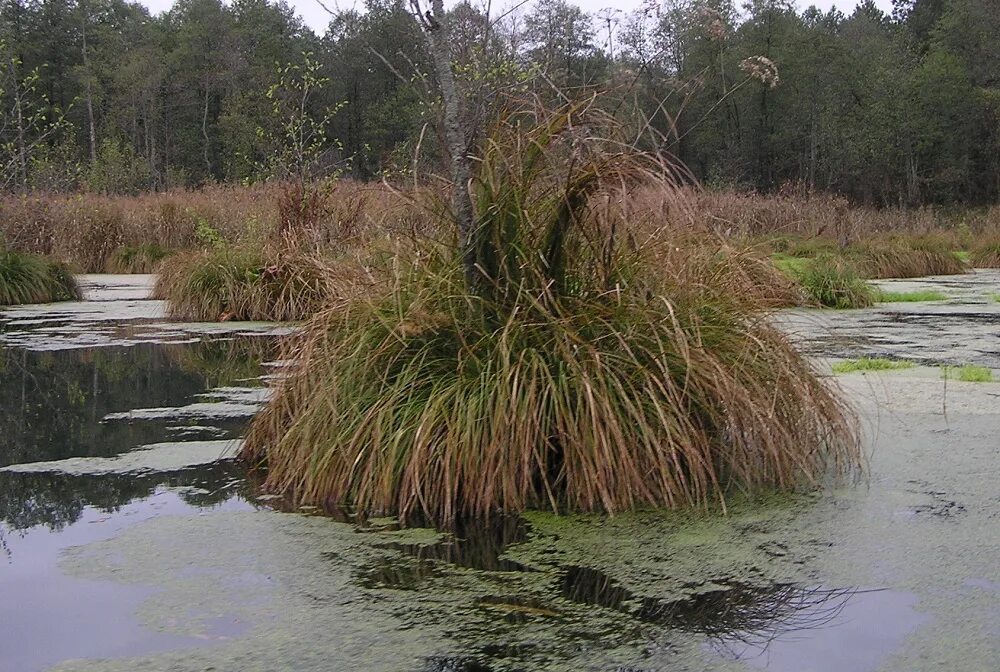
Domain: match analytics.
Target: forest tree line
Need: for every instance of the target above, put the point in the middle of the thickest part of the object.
(900, 109)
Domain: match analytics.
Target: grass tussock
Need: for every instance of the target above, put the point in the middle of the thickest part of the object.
(968, 373)
(870, 364)
(986, 253)
(144, 258)
(27, 278)
(413, 403)
(579, 376)
(834, 282)
(249, 283)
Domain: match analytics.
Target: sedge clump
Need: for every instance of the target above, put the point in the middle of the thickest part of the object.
(29, 278)
(570, 374)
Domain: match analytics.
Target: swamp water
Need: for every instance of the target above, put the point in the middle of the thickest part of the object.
(129, 541)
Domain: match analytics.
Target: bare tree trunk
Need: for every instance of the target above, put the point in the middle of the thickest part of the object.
(90, 123)
(813, 150)
(455, 138)
(204, 134)
(88, 92)
(912, 176)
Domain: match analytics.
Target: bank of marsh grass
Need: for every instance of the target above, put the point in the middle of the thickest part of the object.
(29, 278)
(579, 376)
(904, 257)
(870, 364)
(875, 256)
(968, 373)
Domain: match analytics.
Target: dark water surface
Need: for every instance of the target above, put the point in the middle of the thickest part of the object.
(55, 405)
(55, 402)
(98, 554)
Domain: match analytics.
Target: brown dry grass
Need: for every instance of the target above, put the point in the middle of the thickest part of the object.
(605, 363)
(751, 216)
(986, 252)
(270, 283)
(906, 257)
(403, 402)
(86, 230)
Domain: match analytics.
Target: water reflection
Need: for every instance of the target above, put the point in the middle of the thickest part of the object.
(52, 403)
(749, 613)
(474, 545)
(868, 626)
(737, 618)
(398, 574)
(60, 404)
(56, 500)
(48, 616)
(725, 610)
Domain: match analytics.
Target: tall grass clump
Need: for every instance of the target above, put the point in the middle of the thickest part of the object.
(834, 282)
(571, 375)
(986, 253)
(28, 278)
(742, 270)
(144, 258)
(258, 283)
(905, 257)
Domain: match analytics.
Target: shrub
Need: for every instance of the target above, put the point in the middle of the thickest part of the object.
(579, 376)
(833, 282)
(119, 169)
(26, 278)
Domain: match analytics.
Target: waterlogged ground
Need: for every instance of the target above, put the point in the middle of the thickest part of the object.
(962, 329)
(129, 542)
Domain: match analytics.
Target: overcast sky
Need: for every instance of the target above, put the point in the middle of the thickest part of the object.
(317, 18)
